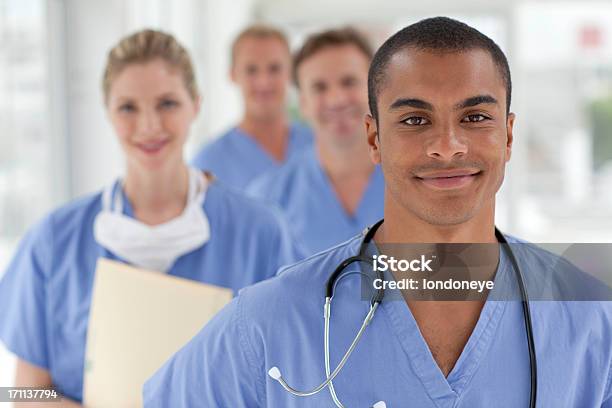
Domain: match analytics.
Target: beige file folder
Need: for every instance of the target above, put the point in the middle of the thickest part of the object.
(138, 320)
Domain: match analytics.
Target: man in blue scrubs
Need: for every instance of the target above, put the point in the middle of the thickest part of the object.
(332, 191)
(264, 138)
(441, 128)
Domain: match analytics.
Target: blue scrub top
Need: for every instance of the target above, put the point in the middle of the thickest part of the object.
(304, 192)
(279, 322)
(46, 291)
(236, 158)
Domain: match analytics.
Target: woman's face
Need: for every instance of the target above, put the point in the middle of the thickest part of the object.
(151, 111)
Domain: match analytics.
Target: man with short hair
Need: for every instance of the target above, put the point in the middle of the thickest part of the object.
(264, 138)
(331, 191)
(441, 128)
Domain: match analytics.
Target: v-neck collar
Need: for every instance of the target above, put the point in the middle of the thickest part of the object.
(376, 178)
(445, 391)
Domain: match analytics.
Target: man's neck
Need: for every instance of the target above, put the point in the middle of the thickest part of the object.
(344, 162)
(403, 226)
(271, 133)
(349, 171)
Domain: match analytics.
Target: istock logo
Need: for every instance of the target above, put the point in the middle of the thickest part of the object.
(383, 263)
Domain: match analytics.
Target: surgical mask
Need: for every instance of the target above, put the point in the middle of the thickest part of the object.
(157, 247)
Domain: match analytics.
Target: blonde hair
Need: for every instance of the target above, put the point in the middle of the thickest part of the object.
(259, 31)
(144, 46)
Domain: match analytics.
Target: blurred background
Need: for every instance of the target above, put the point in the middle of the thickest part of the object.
(56, 144)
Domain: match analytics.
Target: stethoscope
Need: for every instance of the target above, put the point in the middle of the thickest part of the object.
(375, 301)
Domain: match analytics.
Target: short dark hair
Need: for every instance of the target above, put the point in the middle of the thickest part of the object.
(330, 38)
(438, 34)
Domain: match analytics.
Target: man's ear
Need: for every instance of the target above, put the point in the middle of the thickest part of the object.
(373, 138)
(509, 135)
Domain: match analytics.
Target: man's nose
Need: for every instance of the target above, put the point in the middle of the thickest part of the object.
(336, 97)
(447, 144)
(263, 80)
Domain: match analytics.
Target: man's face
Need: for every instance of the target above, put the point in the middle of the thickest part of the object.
(443, 138)
(262, 70)
(334, 94)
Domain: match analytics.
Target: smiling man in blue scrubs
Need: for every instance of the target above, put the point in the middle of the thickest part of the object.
(441, 128)
(264, 138)
(332, 191)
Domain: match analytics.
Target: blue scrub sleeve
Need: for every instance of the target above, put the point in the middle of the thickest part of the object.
(23, 297)
(216, 368)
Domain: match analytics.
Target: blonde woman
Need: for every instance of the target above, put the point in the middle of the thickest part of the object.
(163, 216)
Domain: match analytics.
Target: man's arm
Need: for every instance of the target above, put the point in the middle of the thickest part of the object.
(215, 369)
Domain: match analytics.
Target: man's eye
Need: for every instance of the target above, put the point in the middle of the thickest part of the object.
(127, 108)
(475, 118)
(319, 88)
(416, 121)
(349, 82)
(168, 104)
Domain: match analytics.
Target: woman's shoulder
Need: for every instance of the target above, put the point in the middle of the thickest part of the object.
(54, 232)
(73, 220)
(76, 210)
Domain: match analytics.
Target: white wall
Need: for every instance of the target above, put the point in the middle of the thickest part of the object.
(91, 29)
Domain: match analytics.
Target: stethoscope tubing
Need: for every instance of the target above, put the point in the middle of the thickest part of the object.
(377, 298)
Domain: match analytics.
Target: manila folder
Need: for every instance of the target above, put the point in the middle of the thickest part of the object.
(138, 320)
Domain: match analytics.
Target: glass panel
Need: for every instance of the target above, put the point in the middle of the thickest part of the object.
(25, 142)
(24, 135)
